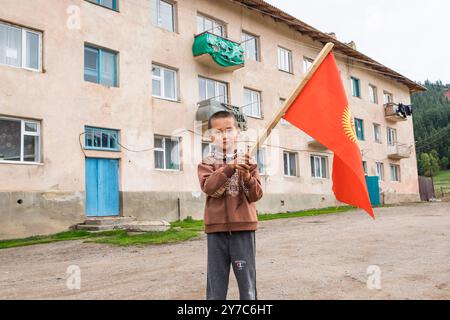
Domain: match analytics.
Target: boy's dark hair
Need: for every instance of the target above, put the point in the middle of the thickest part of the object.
(222, 115)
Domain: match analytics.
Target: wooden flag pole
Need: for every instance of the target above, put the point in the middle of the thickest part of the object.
(277, 117)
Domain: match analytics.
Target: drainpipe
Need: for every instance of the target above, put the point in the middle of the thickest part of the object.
(178, 209)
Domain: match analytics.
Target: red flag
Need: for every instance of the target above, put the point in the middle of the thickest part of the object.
(322, 111)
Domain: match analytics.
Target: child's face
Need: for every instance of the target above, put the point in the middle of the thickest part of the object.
(224, 134)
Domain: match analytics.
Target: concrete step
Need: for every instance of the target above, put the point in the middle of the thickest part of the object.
(104, 227)
(148, 226)
(109, 221)
(123, 223)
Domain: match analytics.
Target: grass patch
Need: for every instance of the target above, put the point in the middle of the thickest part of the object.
(170, 236)
(442, 183)
(305, 213)
(179, 231)
(62, 236)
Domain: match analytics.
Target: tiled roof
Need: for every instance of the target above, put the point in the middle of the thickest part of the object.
(279, 15)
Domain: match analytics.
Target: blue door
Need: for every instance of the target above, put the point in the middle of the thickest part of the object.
(102, 187)
(374, 190)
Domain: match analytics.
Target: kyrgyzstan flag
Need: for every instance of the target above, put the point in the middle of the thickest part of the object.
(321, 110)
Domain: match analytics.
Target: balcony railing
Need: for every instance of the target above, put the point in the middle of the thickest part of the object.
(399, 151)
(392, 113)
(218, 52)
(209, 107)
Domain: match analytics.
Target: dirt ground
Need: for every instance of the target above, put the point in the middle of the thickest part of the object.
(324, 257)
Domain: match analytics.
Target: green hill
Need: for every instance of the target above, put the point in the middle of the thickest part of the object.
(432, 122)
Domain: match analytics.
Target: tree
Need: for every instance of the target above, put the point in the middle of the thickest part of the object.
(444, 163)
(428, 165)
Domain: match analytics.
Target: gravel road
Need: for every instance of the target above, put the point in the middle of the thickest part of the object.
(324, 257)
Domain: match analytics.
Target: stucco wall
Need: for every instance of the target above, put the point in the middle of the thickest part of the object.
(65, 103)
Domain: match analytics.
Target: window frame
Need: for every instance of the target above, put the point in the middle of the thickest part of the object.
(217, 84)
(100, 51)
(365, 168)
(257, 45)
(115, 6)
(251, 105)
(24, 133)
(313, 158)
(373, 94)
(290, 62)
(361, 121)
(387, 94)
(211, 146)
(157, 14)
(162, 79)
(380, 173)
(391, 134)
(295, 154)
(379, 140)
(23, 43)
(215, 24)
(396, 171)
(109, 131)
(262, 169)
(307, 61)
(354, 81)
(163, 149)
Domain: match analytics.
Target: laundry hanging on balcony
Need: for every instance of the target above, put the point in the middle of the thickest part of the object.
(224, 53)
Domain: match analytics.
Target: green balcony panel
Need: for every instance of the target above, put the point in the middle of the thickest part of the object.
(216, 51)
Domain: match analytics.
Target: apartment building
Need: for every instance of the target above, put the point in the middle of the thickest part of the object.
(103, 106)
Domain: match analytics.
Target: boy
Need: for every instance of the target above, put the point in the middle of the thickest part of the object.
(232, 186)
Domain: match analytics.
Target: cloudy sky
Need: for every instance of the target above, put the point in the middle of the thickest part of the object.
(409, 36)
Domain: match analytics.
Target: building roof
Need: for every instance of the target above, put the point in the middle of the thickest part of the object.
(346, 49)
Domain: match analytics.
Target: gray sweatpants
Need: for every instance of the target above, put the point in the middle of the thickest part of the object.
(239, 250)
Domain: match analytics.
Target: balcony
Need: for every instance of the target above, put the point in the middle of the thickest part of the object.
(393, 113)
(399, 151)
(207, 108)
(217, 52)
(313, 143)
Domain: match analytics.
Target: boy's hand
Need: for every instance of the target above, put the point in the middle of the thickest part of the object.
(244, 167)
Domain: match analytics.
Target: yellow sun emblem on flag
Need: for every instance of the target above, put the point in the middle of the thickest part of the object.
(349, 125)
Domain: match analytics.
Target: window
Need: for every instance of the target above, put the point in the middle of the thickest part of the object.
(207, 148)
(391, 136)
(281, 102)
(100, 66)
(261, 160)
(250, 44)
(395, 172)
(359, 126)
(20, 47)
(373, 94)
(290, 164)
(211, 89)
(205, 24)
(167, 153)
(252, 103)
(377, 132)
(164, 83)
(307, 63)
(284, 60)
(364, 163)
(356, 87)
(101, 139)
(380, 170)
(111, 4)
(319, 167)
(164, 14)
(19, 140)
(387, 97)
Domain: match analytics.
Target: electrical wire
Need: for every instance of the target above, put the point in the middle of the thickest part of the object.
(297, 43)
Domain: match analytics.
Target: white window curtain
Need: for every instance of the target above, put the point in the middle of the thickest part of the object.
(10, 45)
